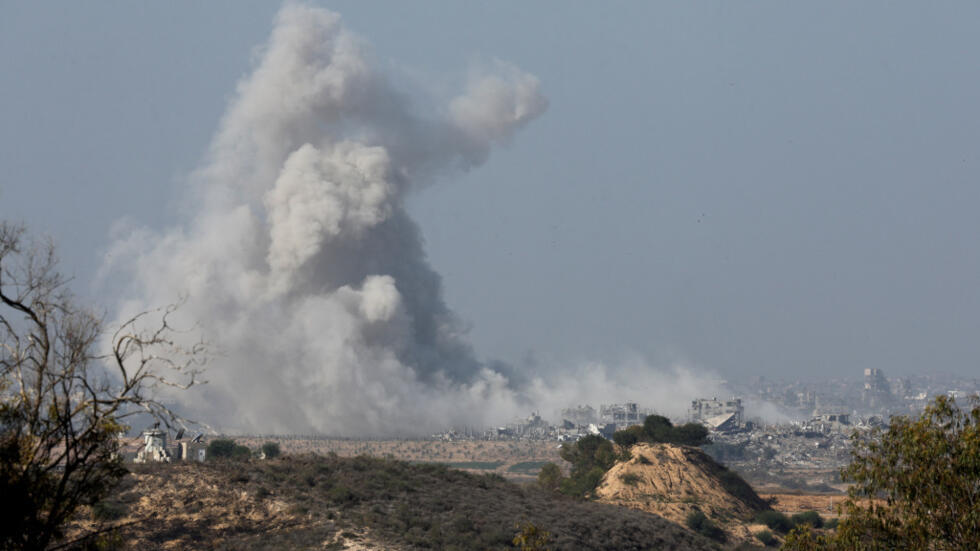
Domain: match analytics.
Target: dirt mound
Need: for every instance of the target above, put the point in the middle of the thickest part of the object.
(674, 481)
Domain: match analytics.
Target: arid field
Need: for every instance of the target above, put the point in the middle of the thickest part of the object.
(511, 459)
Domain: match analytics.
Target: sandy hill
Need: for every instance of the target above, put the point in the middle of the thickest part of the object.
(316, 502)
(673, 481)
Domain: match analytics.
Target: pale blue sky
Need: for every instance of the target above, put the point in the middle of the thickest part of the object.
(771, 188)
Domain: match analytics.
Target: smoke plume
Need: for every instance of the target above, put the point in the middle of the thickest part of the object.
(299, 261)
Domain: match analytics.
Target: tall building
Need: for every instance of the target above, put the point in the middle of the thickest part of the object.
(876, 393)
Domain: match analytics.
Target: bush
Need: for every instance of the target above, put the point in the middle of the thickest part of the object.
(809, 517)
(221, 447)
(925, 469)
(583, 484)
(591, 457)
(550, 476)
(240, 452)
(531, 538)
(775, 520)
(108, 510)
(341, 495)
(691, 434)
(225, 448)
(630, 479)
(700, 523)
(659, 429)
(271, 450)
(588, 452)
(766, 538)
(629, 436)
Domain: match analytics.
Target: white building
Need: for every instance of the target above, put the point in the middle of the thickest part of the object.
(154, 447)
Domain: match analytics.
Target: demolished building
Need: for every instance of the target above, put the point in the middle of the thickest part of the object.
(622, 416)
(531, 428)
(154, 448)
(718, 415)
(580, 416)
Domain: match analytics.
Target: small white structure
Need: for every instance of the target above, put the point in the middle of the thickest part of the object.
(154, 447)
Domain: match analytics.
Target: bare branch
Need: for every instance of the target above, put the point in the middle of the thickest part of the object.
(62, 403)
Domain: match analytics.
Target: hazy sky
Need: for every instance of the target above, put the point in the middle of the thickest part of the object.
(782, 189)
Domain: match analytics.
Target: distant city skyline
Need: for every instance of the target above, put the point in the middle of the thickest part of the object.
(767, 189)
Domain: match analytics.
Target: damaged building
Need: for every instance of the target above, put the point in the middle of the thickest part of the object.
(531, 428)
(718, 415)
(831, 421)
(156, 450)
(579, 416)
(622, 416)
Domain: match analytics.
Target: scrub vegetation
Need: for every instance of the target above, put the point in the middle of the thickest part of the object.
(297, 502)
(914, 486)
(657, 429)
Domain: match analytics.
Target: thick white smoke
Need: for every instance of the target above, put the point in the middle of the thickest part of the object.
(300, 262)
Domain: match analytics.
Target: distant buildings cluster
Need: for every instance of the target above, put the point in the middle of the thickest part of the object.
(575, 422)
(831, 411)
(875, 395)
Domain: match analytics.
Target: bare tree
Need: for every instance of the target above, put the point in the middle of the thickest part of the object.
(63, 401)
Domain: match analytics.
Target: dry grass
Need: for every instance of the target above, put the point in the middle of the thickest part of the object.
(478, 454)
(306, 502)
